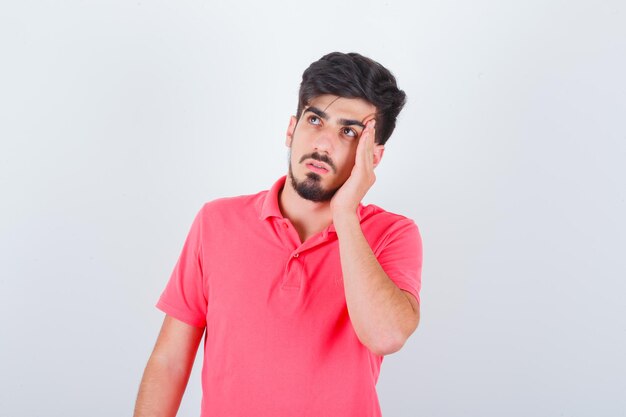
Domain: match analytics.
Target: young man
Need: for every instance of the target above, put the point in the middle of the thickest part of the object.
(301, 289)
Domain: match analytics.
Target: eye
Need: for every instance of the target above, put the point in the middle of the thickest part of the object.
(349, 132)
(314, 120)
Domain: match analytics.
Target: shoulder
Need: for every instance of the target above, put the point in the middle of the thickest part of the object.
(236, 206)
(384, 230)
(377, 218)
(395, 239)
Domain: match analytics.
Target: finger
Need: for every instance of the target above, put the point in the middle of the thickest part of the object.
(361, 147)
(370, 142)
(366, 145)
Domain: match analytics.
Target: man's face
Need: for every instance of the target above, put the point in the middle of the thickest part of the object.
(323, 144)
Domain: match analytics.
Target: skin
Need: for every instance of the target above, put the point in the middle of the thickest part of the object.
(311, 134)
(383, 316)
(167, 372)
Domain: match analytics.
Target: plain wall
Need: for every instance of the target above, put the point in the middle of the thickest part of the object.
(119, 119)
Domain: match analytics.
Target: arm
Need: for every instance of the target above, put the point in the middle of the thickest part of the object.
(168, 369)
(383, 315)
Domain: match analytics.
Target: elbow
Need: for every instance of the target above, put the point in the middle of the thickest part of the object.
(384, 351)
(387, 346)
(392, 339)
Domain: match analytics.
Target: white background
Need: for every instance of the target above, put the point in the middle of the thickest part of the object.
(118, 119)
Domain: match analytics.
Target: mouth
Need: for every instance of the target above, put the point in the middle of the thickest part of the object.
(317, 167)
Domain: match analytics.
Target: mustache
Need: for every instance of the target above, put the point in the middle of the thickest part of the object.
(321, 158)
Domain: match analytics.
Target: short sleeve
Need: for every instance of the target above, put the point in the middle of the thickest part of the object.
(401, 256)
(184, 297)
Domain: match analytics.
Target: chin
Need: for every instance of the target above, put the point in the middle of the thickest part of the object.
(311, 188)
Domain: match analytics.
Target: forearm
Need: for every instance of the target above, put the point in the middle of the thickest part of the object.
(379, 311)
(161, 389)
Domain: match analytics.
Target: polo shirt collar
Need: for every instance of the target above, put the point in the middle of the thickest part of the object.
(270, 207)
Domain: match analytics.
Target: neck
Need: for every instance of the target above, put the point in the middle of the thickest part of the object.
(308, 217)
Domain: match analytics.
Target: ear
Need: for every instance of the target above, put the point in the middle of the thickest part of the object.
(379, 150)
(292, 127)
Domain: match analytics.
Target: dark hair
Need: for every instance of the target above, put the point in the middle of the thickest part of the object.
(354, 76)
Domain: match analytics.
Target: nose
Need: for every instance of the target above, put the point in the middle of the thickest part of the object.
(324, 141)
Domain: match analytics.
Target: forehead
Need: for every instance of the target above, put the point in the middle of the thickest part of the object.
(343, 108)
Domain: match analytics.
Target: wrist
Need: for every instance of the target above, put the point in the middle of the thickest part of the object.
(345, 217)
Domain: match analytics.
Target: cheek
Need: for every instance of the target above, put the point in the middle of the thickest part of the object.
(345, 167)
(293, 160)
(351, 156)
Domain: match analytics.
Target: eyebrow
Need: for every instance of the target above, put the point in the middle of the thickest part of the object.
(324, 115)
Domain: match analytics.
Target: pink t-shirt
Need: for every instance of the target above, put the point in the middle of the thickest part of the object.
(279, 341)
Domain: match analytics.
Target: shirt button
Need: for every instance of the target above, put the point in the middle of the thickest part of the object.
(296, 255)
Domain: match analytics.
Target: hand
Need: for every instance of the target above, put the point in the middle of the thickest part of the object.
(362, 177)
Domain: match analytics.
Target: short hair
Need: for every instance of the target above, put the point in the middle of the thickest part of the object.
(353, 75)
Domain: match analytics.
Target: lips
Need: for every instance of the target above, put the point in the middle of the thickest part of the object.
(317, 167)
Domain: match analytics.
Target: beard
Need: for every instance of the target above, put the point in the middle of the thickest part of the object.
(311, 187)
